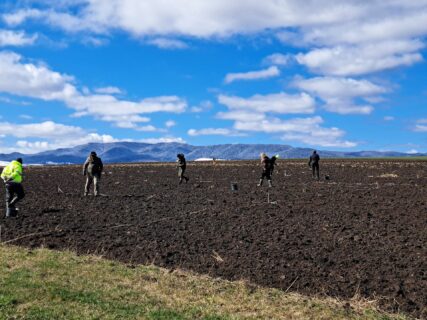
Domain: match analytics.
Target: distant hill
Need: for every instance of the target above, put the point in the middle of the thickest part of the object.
(163, 152)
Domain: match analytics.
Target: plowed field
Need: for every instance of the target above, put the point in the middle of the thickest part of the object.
(362, 233)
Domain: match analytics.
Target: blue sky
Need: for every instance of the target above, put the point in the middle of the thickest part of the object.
(329, 74)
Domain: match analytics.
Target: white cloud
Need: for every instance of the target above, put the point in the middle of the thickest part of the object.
(253, 75)
(203, 107)
(108, 90)
(277, 103)
(104, 106)
(306, 130)
(401, 20)
(323, 137)
(54, 136)
(48, 135)
(193, 17)
(148, 128)
(239, 115)
(45, 130)
(165, 43)
(123, 121)
(30, 80)
(64, 20)
(343, 38)
(420, 125)
(16, 38)
(420, 128)
(26, 117)
(163, 140)
(95, 41)
(362, 59)
(210, 132)
(170, 124)
(320, 20)
(38, 81)
(339, 93)
(278, 59)
(389, 118)
(412, 151)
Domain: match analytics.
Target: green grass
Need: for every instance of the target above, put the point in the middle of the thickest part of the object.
(44, 284)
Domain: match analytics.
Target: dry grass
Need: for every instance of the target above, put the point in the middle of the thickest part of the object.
(44, 284)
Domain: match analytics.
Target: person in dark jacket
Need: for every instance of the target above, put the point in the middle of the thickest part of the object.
(182, 165)
(92, 168)
(313, 163)
(12, 176)
(266, 170)
(273, 164)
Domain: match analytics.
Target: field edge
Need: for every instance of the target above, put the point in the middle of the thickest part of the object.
(47, 284)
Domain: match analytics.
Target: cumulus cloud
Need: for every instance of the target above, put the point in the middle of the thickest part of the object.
(306, 130)
(53, 135)
(193, 17)
(339, 93)
(277, 103)
(30, 80)
(48, 135)
(342, 38)
(362, 59)
(64, 20)
(401, 20)
(253, 75)
(38, 81)
(16, 38)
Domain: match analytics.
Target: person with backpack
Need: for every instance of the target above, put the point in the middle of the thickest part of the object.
(92, 168)
(12, 176)
(182, 166)
(266, 170)
(313, 163)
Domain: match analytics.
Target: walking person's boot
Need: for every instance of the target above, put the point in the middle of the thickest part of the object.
(11, 212)
(270, 184)
(260, 182)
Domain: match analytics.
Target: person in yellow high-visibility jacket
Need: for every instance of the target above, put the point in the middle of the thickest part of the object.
(12, 176)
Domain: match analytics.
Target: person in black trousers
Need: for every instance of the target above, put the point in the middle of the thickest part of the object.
(182, 165)
(92, 168)
(12, 176)
(266, 170)
(313, 163)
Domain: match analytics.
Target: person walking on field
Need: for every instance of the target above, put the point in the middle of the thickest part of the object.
(273, 164)
(12, 176)
(182, 165)
(266, 170)
(92, 168)
(313, 163)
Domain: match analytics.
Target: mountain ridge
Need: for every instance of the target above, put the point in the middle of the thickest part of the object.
(118, 152)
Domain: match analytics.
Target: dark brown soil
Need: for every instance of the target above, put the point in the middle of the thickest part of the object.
(355, 234)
